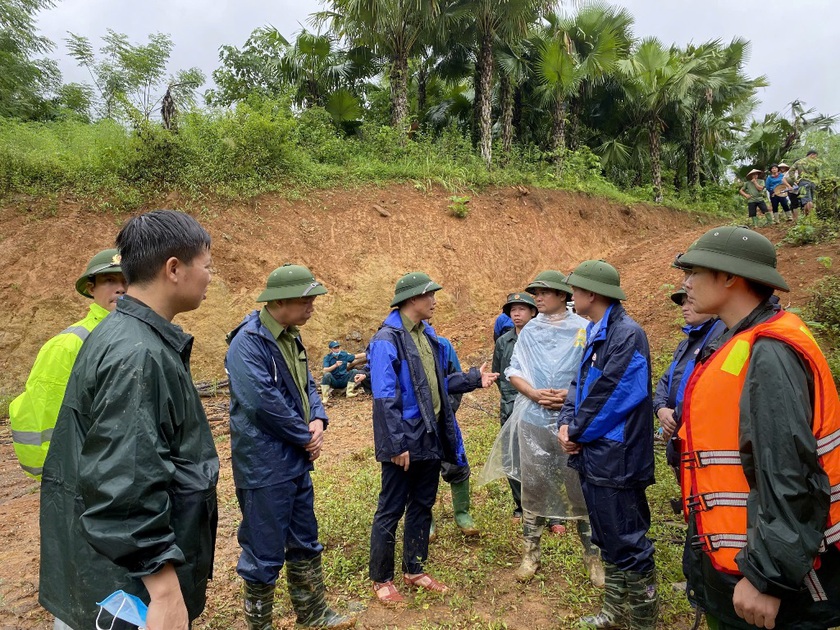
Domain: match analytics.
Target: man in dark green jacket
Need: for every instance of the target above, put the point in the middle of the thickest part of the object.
(128, 499)
(521, 309)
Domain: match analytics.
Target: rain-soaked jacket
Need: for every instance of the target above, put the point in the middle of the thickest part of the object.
(789, 497)
(129, 482)
(32, 414)
(403, 414)
(546, 355)
(609, 409)
(267, 428)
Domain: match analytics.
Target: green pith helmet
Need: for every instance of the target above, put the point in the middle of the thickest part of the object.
(290, 281)
(599, 277)
(549, 279)
(518, 298)
(739, 251)
(678, 296)
(106, 261)
(411, 284)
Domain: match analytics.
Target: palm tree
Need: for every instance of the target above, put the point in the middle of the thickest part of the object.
(656, 78)
(717, 97)
(505, 22)
(393, 29)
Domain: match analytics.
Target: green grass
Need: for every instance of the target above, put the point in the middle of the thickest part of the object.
(261, 146)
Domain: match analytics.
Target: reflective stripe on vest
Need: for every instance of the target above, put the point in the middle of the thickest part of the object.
(32, 438)
(80, 331)
(714, 486)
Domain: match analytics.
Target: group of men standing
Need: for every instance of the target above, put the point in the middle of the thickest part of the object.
(129, 481)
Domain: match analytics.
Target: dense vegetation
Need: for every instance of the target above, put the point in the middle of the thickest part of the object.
(460, 92)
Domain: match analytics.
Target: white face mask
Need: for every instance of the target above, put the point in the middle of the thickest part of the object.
(121, 605)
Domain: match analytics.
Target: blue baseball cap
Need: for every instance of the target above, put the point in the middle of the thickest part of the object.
(334, 344)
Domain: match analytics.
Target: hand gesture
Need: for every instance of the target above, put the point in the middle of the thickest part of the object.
(667, 421)
(487, 378)
(401, 460)
(359, 378)
(753, 606)
(569, 447)
(316, 428)
(552, 399)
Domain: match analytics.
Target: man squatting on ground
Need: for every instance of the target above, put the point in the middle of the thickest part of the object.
(761, 449)
(337, 372)
(414, 429)
(132, 505)
(605, 425)
(542, 365)
(32, 415)
(521, 309)
(277, 424)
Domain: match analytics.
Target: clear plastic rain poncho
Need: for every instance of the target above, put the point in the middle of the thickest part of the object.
(547, 355)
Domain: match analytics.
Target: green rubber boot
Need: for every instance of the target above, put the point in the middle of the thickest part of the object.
(259, 604)
(325, 393)
(307, 592)
(613, 610)
(461, 506)
(754, 221)
(591, 555)
(642, 600)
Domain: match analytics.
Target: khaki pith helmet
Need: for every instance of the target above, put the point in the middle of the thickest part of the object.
(518, 298)
(290, 281)
(737, 250)
(599, 277)
(106, 261)
(549, 279)
(411, 285)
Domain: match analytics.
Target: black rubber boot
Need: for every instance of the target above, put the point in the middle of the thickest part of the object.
(307, 592)
(259, 603)
(642, 600)
(613, 611)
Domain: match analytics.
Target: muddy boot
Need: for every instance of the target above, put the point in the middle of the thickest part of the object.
(613, 610)
(350, 392)
(754, 221)
(532, 529)
(530, 561)
(306, 590)
(769, 219)
(461, 506)
(325, 393)
(259, 603)
(591, 554)
(788, 215)
(642, 600)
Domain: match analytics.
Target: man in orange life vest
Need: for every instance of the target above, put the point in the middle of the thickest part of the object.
(761, 449)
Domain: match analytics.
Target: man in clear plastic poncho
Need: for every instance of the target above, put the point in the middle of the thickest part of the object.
(544, 361)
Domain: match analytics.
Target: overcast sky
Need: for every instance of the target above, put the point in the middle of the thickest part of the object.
(793, 42)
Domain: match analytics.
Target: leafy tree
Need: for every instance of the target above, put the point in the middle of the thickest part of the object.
(26, 81)
(130, 78)
(656, 79)
(394, 30)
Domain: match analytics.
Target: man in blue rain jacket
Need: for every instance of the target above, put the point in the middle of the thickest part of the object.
(606, 426)
(414, 429)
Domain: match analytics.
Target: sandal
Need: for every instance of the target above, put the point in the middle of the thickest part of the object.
(425, 581)
(387, 593)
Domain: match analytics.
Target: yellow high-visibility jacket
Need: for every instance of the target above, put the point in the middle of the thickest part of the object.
(32, 415)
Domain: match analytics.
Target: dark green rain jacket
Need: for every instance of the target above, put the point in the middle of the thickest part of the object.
(129, 482)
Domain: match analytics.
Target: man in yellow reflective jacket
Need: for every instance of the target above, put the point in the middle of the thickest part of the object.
(32, 415)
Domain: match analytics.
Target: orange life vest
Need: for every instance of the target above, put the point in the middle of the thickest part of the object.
(714, 487)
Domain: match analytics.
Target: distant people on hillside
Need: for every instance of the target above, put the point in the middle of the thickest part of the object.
(339, 372)
(807, 176)
(778, 187)
(753, 191)
(32, 415)
(793, 193)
